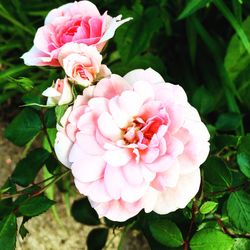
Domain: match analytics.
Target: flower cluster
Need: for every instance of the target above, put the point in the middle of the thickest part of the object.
(131, 142)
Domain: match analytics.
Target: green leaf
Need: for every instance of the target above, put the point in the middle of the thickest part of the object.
(97, 238)
(25, 84)
(8, 227)
(134, 37)
(238, 208)
(11, 72)
(28, 168)
(237, 64)
(24, 127)
(211, 239)
(241, 244)
(82, 212)
(166, 232)
(208, 207)
(233, 21)
(243, 155)
(35, 206)
(52, 164)
(228, 121)
(50, 118)
(203, 100)
(222, 141)
(217, 174)
(23, 231)
(59, 111)
(191, 7)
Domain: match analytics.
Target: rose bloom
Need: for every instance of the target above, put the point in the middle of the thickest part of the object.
(82, 63)
(78, 22)
(133, 143)
(60, 93)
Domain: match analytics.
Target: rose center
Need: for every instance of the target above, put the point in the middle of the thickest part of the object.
(142, 132)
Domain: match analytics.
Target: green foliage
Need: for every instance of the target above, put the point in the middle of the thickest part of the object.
(238, 207)
(243, 155)
(144, 25)
(8, 227)
(82, 212)
(97, 238)
(35, 206)
(241, 244)
(166, 232)
(24, 127)
(211, 239)
(203, 45)
(217, 174)
(237, 63)
(228, 121)
(28, 168)
(203, 100)
(208, 207)
(192, 6)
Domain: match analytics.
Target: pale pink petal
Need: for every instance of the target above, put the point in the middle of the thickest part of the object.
(96, 190)
(145, 90)
(89, 168)
(110, 87)
(179, 196)
(176, 115)
(62, 148)
(148, 75)
(117, 157)
(174, 146)
(112, 26)
(195, 153)
(148, 175)
(170, 177)
(108, 128)
(88, 144)
(150, 155)
(132, 193)
(130, 102)
(120, 117)
(117, 210)
(34, 57)
(133, 173)
(197, 129)
(76, 114)
(81, 8)
(114, 181)
(161, 164)
(170, 94)
(149, 199)
(98, 105)
(87, 124)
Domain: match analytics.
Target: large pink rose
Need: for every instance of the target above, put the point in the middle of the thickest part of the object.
(82, 63)
(78, 22)
(134, 143)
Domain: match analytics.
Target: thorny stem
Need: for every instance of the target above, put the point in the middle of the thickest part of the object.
(194, 212)
(229, 231)
(36, 193)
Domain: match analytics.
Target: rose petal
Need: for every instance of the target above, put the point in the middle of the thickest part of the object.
(89, 168)
(107, 127)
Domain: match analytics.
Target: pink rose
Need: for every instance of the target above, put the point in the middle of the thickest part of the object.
(134, 143)
(60, 93)
(78, 22)
(82, 63)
